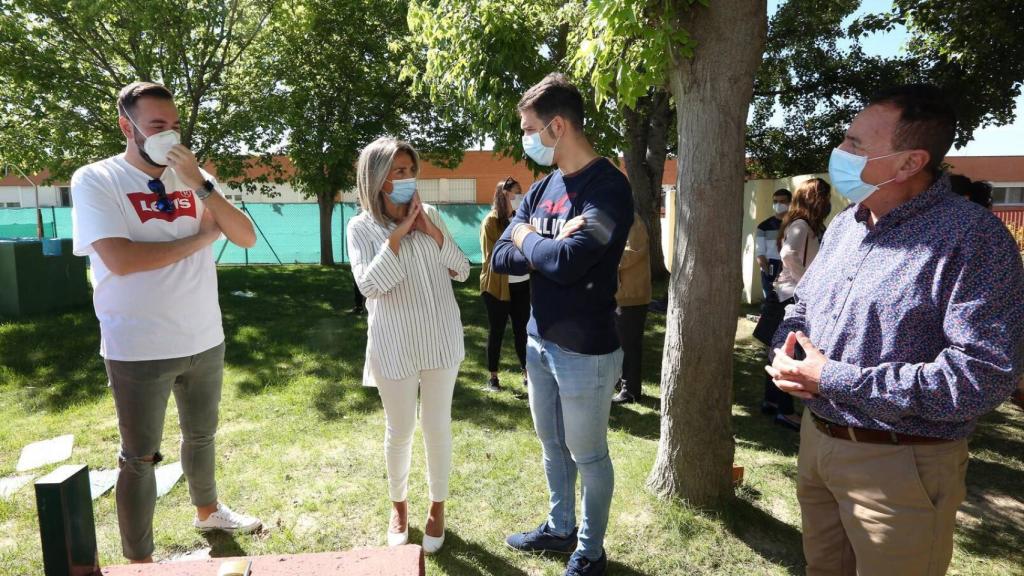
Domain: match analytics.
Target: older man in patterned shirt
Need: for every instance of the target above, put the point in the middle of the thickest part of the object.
(911, 318)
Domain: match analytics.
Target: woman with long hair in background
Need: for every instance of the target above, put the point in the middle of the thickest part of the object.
(504, 296)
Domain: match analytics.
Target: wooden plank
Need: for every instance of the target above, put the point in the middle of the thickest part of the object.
(400, 561)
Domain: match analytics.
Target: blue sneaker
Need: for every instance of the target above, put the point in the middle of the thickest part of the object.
(580, 565)
(542, 540)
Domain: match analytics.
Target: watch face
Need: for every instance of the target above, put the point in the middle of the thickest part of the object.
(205, 190)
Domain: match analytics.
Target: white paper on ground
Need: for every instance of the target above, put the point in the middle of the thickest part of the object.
(101, 481)
(46, 452)
(166, 477)
(11, 484)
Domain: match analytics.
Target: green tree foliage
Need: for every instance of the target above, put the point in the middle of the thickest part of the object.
(484, 55)
(65, 61)
(816, 74)
(972, 48)
(332, 86)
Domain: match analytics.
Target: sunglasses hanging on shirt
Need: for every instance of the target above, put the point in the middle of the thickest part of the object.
(163, 203)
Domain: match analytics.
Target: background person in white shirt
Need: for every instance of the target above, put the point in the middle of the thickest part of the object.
(146, 219)
(403, 260)
(765, 246)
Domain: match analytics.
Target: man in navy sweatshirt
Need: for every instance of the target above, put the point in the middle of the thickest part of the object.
(569, 234)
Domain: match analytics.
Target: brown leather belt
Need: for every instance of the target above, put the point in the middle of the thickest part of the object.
(870, 436)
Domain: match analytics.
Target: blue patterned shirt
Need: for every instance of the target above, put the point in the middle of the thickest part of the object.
(921, 317)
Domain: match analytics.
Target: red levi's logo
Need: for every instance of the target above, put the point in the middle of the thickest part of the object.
(145, 205)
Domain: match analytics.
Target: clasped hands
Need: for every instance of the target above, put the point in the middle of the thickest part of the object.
(800, 378)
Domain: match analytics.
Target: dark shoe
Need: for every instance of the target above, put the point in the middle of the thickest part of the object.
(1018, 398)
(624, 397)
(784, 421)
(618, 385)
(579, 565)
(492, 385)
(769, 408)
(542, 540)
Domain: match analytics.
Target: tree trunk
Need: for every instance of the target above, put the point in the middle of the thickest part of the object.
(646, 129)
(713, 93)
(326, 202)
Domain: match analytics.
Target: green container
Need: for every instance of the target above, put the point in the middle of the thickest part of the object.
(66, 525)
(37, 277)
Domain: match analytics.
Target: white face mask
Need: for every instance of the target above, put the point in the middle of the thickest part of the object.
(536, 150)
(780, 208)
(845, 168)
(158, 145)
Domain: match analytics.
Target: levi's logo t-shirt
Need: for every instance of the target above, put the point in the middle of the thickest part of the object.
(169, 312)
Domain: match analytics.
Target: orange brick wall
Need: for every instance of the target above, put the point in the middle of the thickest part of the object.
(489, 169)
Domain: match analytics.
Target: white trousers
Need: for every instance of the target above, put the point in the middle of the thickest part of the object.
(434, 388)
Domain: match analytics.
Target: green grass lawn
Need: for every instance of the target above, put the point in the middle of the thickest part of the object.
(300, 445)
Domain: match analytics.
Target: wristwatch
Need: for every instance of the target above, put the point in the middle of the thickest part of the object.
(205, 190)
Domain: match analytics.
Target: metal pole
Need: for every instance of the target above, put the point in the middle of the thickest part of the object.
(39, 212)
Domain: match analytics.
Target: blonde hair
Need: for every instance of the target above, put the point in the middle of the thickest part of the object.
(373, 168)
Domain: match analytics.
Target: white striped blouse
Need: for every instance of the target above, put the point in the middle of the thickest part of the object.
(414, 321)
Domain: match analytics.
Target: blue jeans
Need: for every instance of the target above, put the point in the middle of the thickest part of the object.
(570, 397)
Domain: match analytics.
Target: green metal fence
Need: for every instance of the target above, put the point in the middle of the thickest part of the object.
(286, 233)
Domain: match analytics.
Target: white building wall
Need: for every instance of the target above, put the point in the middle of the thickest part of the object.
(24, 196)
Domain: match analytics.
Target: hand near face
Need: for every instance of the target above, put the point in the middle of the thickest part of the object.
(185, 165)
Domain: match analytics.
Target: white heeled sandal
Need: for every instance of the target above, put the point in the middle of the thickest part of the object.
(431, 544)
(398, 538)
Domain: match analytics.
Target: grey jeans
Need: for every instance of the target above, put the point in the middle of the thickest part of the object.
(141, 390)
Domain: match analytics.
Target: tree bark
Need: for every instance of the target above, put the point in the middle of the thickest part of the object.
(646, 129)
(713, 92)
(325, 200)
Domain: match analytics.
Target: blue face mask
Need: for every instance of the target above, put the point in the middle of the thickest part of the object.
(536, 150)
(844, 169)
(402, 190)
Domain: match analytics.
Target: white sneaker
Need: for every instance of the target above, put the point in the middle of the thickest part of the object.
(228, 520)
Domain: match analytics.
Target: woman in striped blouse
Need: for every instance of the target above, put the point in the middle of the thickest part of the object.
(403, 260)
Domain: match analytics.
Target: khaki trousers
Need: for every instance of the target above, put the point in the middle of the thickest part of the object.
(878, 509)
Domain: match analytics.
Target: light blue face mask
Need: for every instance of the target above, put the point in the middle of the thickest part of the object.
(844, 169)
(402, 190)
(536, 150)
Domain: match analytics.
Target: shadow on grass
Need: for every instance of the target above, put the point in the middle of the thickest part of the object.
(642, 424)
(223, 545)
(1000, 432)
(295, 326)
(468, 558)
(620, 569)
(773, 539)
(991, 519)
(53, 360)
(753, 428)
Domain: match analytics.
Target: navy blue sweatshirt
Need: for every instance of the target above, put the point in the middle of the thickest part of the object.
(572, 281)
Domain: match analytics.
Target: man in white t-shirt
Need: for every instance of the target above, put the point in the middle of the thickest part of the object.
(146, 219)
